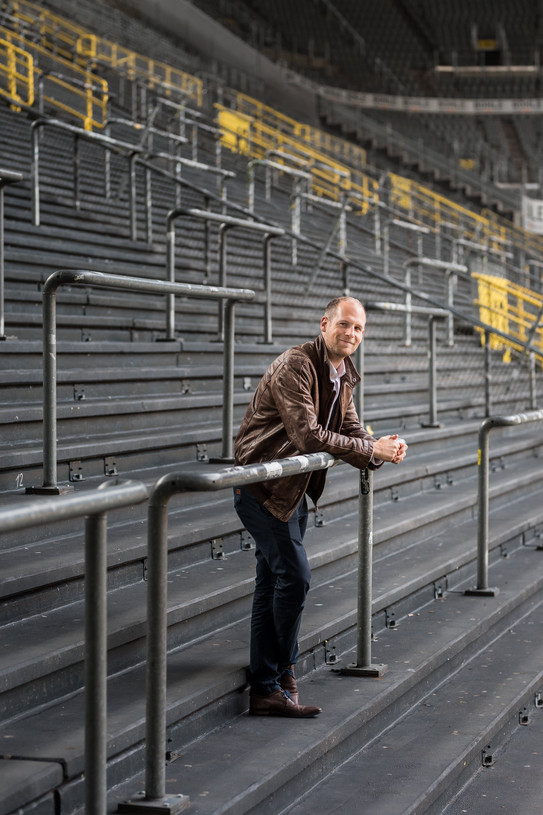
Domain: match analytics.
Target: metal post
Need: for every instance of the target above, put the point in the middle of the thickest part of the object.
(228, 383)
(488, 374)
(451, 283)
(35, 173)
(482, 515)
(132, 192)
(170, 262)
(149, 205)
(363, 665)
(408, 301)
(2, 293)
(432, 375)
(156, 667)
(223, 247)
(359, 393)
(6, 177)
(96, 664)
(533, 383)
(267, 290)
(77, 174)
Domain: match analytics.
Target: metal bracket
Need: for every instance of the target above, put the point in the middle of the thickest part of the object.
(79, 394)
(217, 548)
(201, 452)
(247, 384)
(185, 386)
(538, 699)
(487, 759)
(85, 336)
(390, 619)
(319, 518)
(330, 656)
(503, 550)
(246, 540)
(76, 471)
(437, 482)
(110, 466)
(394, 494)
(439, 591)
(169, 805)
(523, 716)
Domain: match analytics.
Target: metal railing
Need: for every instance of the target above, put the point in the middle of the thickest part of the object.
(125, 148)
(6, 177)
(93, 506)
(212, 480)
(225, 223)
(489, 423)
(99, 279)
(451, 269)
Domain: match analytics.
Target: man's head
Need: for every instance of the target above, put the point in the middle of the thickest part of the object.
(342, 327)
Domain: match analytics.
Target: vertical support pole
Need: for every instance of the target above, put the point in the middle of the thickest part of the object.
(49, 389)
(268, 290)
(35, 173)
(157, 629)
(228, 382)
(432, 375)
(359, 394)
(408, 300)
(170, 261)
(385, 248)
(77, 174)
(533, 382)
(223, 247)
(296, 221)
(451, 284)
(95, 664)
(363, 665)
(377, 229)
(2, 279)
(148, 206)
(488, 374)
(482, 515)
(251, 186)
(132, 193)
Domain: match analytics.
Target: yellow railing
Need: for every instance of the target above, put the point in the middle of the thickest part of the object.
(510, 308)
(77, 44)
(16, 73)
(256, 138)
(66, 86)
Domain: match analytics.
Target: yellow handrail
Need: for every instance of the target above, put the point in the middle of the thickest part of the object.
(83, 95)
(510, 308)
(16, 73)
(75, 43)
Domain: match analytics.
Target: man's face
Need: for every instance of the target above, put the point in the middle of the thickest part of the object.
(343, 331)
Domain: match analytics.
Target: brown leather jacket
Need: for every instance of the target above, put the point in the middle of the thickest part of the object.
(287, 417)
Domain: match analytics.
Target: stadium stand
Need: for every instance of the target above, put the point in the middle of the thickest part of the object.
(121, 153)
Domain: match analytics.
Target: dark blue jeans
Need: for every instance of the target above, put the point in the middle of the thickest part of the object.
(282, 582)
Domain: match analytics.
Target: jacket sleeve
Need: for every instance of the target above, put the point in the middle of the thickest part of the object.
(295, 391)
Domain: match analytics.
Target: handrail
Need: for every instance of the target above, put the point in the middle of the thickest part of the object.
(131, 150)
(420, 230)
(90, 278)
(482, 587)
(433, 315)
(225, 222)
(6, 177)
(157, 564)
(447, 266)
(94, 506)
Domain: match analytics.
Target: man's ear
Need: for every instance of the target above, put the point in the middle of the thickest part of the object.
(324, 322)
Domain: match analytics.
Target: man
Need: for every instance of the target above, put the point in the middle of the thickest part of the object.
(303, 404)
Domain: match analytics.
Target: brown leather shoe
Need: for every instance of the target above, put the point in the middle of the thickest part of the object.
(279, 703)
(288, 683)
